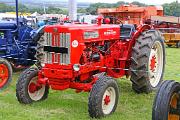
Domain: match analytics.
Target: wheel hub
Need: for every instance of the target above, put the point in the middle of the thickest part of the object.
(3, 75)
(107, 100)
(153, 63)
(173, 113)
(33, 88)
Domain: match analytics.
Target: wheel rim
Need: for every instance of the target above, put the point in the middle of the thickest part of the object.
(35, 92)
(173, 104)
(108, 100)
(4, 74)
(155, 68)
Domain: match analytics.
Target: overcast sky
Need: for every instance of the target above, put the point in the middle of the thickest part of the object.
(152, 2)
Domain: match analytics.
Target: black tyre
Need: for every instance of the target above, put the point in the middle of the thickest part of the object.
(39, 52)
(147, 62)
(103, 98)
(5, 73)
(178, 44)
(167, 102)
(27, 89)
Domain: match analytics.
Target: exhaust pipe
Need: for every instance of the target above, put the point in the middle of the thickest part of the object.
(17, 20)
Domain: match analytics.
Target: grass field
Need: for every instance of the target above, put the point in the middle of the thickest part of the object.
(68, 105)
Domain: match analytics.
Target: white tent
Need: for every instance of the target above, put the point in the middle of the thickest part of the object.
(35, 14)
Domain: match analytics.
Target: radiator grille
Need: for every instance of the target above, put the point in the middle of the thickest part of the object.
(65, 42)
(57, 40)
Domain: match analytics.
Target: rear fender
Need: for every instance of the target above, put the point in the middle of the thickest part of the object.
(140, 29)
(36, 34)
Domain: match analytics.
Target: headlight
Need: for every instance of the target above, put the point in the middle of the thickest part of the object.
(42, 64)
(76, 67)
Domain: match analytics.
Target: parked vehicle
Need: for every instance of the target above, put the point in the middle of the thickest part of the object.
(17, 47)
(89, 58)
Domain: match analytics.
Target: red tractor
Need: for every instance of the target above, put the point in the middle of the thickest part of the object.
(89, 58)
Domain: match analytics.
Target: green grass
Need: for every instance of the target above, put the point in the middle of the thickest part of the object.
(67, 105)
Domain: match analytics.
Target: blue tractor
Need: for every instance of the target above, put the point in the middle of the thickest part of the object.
(18, 44)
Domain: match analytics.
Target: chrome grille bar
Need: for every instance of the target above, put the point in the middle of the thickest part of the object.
(59, 40)
(65, 42)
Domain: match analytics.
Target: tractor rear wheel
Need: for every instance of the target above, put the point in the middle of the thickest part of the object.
(27, 88)
(167, 102)
(5, 73)
(147, 62)
(103, 97)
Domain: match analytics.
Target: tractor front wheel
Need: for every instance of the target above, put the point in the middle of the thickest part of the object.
(103, 97)
(147, 62)
(5, 73)
(27, 88)
(167, 102)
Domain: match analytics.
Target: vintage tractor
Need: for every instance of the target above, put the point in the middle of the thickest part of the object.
(167, 102)
(89, 58)
(18, 44)
(154, 15)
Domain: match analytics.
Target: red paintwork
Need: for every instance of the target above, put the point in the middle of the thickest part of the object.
(107, 100)
(153, 63)
(3, 75)
(132, 14)
(32, 88)
(114, 60)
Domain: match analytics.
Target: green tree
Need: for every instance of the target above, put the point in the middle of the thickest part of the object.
(92, 9)
(138, 3)
(82, 10)
(172, 9)
(120, 3)
(6, 8)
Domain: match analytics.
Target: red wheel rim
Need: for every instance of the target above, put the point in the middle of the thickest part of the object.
(35, 91)
(107, 100)
(4, 74)
(153, 63)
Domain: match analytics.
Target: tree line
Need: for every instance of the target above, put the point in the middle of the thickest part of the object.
(171, 9)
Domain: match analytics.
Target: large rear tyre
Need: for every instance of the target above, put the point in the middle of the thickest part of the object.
(5, 73)
(103, 97)
(167, 102)
(27, 88)
(147, 62)
(39, 52)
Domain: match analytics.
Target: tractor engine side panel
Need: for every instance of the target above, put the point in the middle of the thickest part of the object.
(88, 47)
(77, 39)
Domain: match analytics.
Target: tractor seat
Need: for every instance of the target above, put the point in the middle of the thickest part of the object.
(8, 25)
(126, 31)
